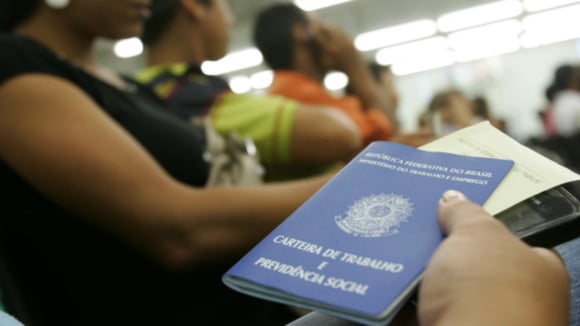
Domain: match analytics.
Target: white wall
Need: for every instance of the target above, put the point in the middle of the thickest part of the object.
(513, 84)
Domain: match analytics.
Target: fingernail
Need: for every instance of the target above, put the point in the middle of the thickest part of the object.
(451, 196)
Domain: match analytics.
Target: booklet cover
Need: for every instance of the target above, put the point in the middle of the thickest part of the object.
(357, 248)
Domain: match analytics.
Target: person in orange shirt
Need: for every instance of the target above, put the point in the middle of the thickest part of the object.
(301, 50)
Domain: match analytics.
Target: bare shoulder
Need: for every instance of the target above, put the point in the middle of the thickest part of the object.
(52, 132)
(36, 107)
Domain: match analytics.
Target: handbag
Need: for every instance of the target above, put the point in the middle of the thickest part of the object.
(233, 160)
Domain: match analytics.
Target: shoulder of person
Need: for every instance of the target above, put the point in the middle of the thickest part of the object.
(23, 55)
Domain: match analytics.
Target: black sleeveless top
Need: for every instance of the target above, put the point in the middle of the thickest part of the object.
(69, 272)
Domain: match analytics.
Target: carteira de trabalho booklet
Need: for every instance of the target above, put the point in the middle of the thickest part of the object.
(357, 248)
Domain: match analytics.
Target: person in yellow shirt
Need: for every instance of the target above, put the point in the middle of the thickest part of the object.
(292, 139)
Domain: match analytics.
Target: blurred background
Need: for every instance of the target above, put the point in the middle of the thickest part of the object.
(504, 51)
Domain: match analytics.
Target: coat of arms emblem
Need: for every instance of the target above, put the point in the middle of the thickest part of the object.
(375, 215)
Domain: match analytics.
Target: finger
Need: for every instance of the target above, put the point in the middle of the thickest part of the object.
(455, 209)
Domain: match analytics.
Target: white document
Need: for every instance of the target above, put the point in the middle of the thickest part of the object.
(531, 174)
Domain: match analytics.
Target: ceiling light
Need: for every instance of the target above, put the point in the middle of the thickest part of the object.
(335, 80)
(311, 5)
(127, 48)
(262, 79)
(439, 60)
(484, 36)
(474, 16)
(233, 61)
(416, 56)
(553, 19)
(485, 41)
(488, 49)
(240, 84)
(414, 51)
(395, 34)
(551, 26)
(529, 40)
(537, 5)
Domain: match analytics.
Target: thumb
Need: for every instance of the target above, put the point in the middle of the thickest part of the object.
(455, 209)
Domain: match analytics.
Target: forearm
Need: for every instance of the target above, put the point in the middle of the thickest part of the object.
(346, 58)
(115, 184)
(322, 136)
(225, 221)
(367, 89)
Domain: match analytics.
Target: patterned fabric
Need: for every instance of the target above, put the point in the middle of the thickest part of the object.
(268, 120)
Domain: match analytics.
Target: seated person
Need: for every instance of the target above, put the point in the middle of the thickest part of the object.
(292, 141)
(301, 50)
(565, 104)
(105, 219)
(449, 111)
(481, 109)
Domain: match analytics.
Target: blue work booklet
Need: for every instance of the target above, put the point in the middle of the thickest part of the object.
(357, 248)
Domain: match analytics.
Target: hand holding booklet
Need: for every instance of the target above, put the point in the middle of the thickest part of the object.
(357, 248)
